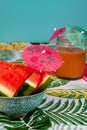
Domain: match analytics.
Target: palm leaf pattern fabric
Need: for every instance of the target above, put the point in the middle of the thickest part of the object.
(10, 55)
(64, 107)
(51, 114)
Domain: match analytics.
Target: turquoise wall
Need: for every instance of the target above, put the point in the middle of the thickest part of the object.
(34, 20)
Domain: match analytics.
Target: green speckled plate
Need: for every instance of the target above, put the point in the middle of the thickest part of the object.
(64, 106)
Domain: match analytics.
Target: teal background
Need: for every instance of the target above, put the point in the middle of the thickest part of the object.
(34, 20)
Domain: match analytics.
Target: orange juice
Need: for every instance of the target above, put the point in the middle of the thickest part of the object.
(73, 62)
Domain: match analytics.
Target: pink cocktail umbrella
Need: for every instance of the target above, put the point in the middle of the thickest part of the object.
(57, 33)
(42, 58)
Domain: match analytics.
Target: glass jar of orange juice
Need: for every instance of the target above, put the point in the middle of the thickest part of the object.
(73, 59)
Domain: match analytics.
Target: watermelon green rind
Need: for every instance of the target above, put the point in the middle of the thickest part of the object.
(45, 84)
(24, 90)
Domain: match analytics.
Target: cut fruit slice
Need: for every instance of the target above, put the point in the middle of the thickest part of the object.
(12, 76)
(30, 84)
(44, 81)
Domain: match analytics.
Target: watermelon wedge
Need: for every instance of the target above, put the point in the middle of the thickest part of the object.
(44, 81)
(12, 76)
(30, 84)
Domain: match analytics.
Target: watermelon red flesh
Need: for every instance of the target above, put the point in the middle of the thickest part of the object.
(30, 84)
(12, 76)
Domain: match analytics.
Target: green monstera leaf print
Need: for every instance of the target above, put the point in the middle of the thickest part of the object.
(9, 55)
